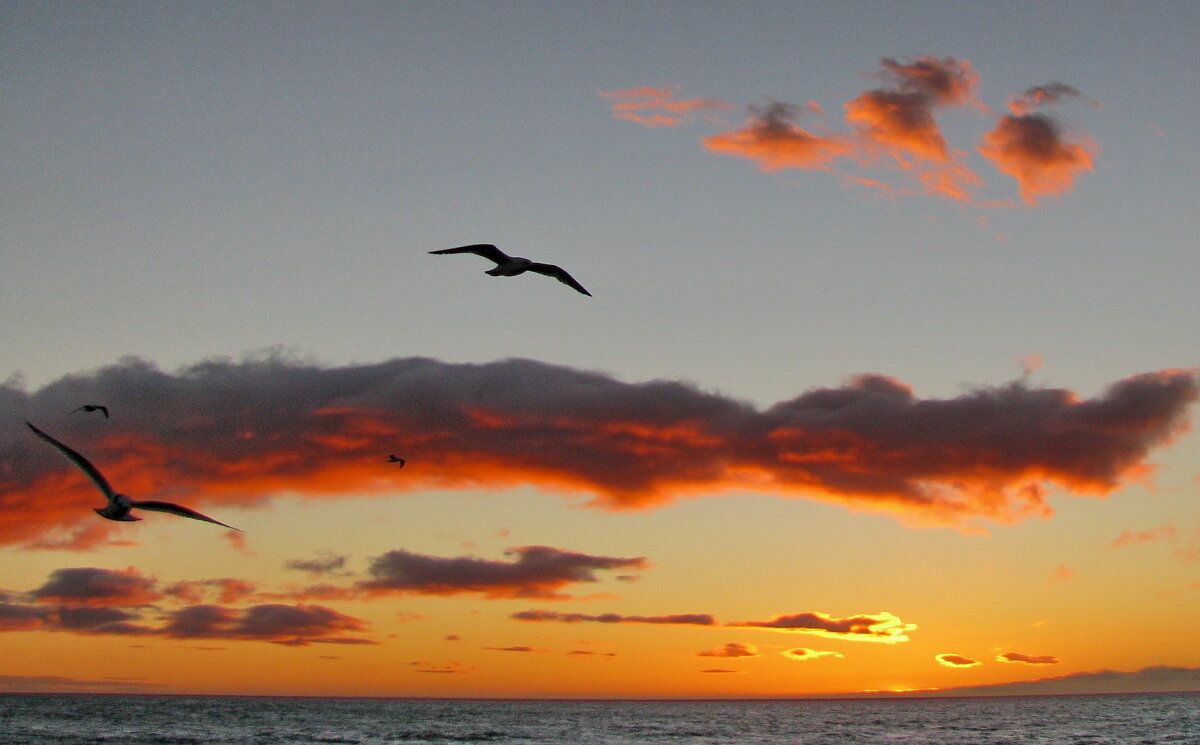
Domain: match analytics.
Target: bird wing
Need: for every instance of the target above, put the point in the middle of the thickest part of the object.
(82, 463)
(550, 270)
(486, 250)
(180, 510)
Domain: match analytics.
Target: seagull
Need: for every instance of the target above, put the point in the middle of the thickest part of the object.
(393, 459)
(119, 505)
(93, 407)
(511, 266)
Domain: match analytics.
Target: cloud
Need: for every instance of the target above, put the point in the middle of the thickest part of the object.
(1033, 150)
(895, 126)
(537, 572)
(898, 120)
(87, 538)
(956, 661)
(227, 590)
(1062, 573)
(329, 564)
(97, 587)
(658, 107)
(222, 433)
(1025, 659)
(773, 138)
(880, 627)
(452, 668)
(720, 670)
(804, 653)
(686, 619)
(92, 601)
(291, 625)
(1150, 535)
(1051, 93)
(514, 649)
(732, 649)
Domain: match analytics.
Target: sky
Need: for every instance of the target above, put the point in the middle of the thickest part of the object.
(886, 385)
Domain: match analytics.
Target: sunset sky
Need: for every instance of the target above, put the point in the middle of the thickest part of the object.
(887, 382)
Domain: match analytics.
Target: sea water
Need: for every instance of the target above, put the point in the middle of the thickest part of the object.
(1153, 719)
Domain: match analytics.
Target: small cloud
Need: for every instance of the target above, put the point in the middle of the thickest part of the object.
(956, 661)
(514, 649)
(326, 564)
(720, 670)
(804, 653)
(732, 649)
(658, 107)
(1025, 659)
(1062, 574)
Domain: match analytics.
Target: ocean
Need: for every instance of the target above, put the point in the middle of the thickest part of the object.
(1151, 719)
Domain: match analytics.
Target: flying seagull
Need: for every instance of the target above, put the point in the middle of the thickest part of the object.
(93, 407)
(393, 459)
(511, 266)
(119, 505)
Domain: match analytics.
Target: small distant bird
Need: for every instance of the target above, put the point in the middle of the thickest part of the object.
(393, 459)
(89, 408)
(119, 505)
(511, 266)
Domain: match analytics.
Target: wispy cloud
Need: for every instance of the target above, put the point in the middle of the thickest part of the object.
(686, 619)
(210, 434)
(658, 107)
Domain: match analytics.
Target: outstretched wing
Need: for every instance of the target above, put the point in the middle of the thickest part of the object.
(180, 510)
(82, 463)
(550, 270)
(486, 250)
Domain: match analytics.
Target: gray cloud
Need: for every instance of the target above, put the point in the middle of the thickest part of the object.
(537, 572)
(238, 432)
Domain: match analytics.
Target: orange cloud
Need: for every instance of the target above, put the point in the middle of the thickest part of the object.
(898, 122)
(1134, 537)
(1032, 149)
(211, 439)
(1025, 659)
(773, 138)
(956, 661)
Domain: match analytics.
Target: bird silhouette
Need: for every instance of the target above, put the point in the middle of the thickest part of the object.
(511, 266)
(394, 459)
(93, 407)
(119, 505)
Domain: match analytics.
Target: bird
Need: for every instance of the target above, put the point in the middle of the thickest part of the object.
(119, 505)
(511, 266)
(93, 407)
(393, 459)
